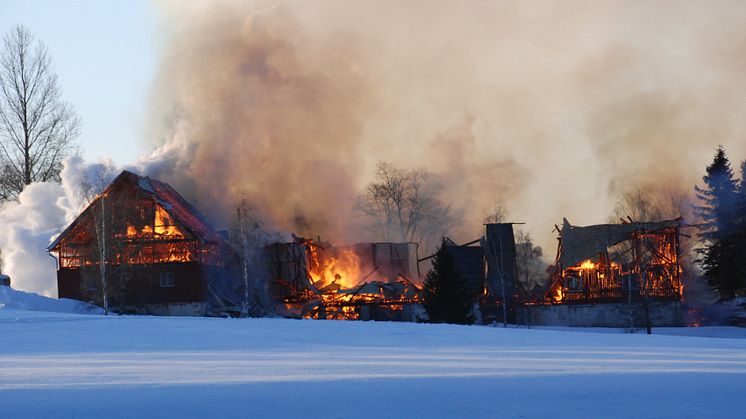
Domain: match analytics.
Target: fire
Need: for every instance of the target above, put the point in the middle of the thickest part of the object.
(647, 266)
(168, 243)
(165, 225)
(588, 264)
(343, 270)
(558, 294)
(346, 285)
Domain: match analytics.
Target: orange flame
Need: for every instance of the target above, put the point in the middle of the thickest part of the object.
(165, 225)
(588, 264)
(343, 270)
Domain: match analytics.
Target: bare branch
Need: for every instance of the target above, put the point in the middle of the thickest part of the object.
(404, 205)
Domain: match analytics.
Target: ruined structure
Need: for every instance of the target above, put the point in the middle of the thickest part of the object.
(383, 281)
(365, 281)
(488, 267)
(617, 275)
(155, 251)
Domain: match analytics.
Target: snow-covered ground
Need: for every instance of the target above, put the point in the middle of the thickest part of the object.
(73, 365)
(12, 298)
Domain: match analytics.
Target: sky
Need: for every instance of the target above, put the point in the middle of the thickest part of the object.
(105, 55)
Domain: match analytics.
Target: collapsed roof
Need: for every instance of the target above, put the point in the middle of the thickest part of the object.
(582, 243)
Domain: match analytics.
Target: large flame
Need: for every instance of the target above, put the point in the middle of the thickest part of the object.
(343, 270)
(165, 225)
(165, 242)
(345, 284)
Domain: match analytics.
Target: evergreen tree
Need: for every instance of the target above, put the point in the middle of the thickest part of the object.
(737, 236)
(446, 297)
(722, 227)
(718, 197)
(739, 206)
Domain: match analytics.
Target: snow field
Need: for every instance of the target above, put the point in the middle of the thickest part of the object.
(69, 365)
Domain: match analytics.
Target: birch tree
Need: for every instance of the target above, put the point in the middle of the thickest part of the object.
(248, 237)
(92, 188)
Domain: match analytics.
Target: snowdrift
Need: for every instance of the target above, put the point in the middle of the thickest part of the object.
(10, 298)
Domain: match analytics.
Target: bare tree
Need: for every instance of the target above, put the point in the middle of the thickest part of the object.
(37, 129)
(403, 205)
(248, 237)
(529, 263)
(92, 188)
(651, 204)
(495, 215)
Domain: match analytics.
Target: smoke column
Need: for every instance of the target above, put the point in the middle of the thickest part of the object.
(552, 108)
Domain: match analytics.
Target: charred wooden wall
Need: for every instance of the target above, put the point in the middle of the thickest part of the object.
(142, 284)
(500, 252)
(469, 261)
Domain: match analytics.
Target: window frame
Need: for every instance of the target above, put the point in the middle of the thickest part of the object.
(167, 280)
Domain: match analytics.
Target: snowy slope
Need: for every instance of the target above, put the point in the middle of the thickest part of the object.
(11, 298)
(67, 365)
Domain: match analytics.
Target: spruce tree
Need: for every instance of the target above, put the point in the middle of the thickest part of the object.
(446, 298)
(737, 236)
(722, 254)
(717, 196)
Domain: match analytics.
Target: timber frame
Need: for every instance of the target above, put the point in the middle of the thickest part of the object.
(617, 263)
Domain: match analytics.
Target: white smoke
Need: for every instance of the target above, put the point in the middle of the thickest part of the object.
(44, 210)
(28, 226)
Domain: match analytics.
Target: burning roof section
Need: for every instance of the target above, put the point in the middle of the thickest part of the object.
(581, 243)
(165, 196)
(144, 221)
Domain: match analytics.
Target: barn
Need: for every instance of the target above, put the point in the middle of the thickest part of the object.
(155, 252)
(614, 275)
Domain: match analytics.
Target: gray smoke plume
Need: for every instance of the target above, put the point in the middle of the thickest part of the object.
(551, 108)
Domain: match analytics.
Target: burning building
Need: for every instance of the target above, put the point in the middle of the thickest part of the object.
(616, 275)
(383, 281)
(142, 248)
(156, 253)
(365, 281)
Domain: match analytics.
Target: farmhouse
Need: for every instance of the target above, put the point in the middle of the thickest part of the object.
(156, 251)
